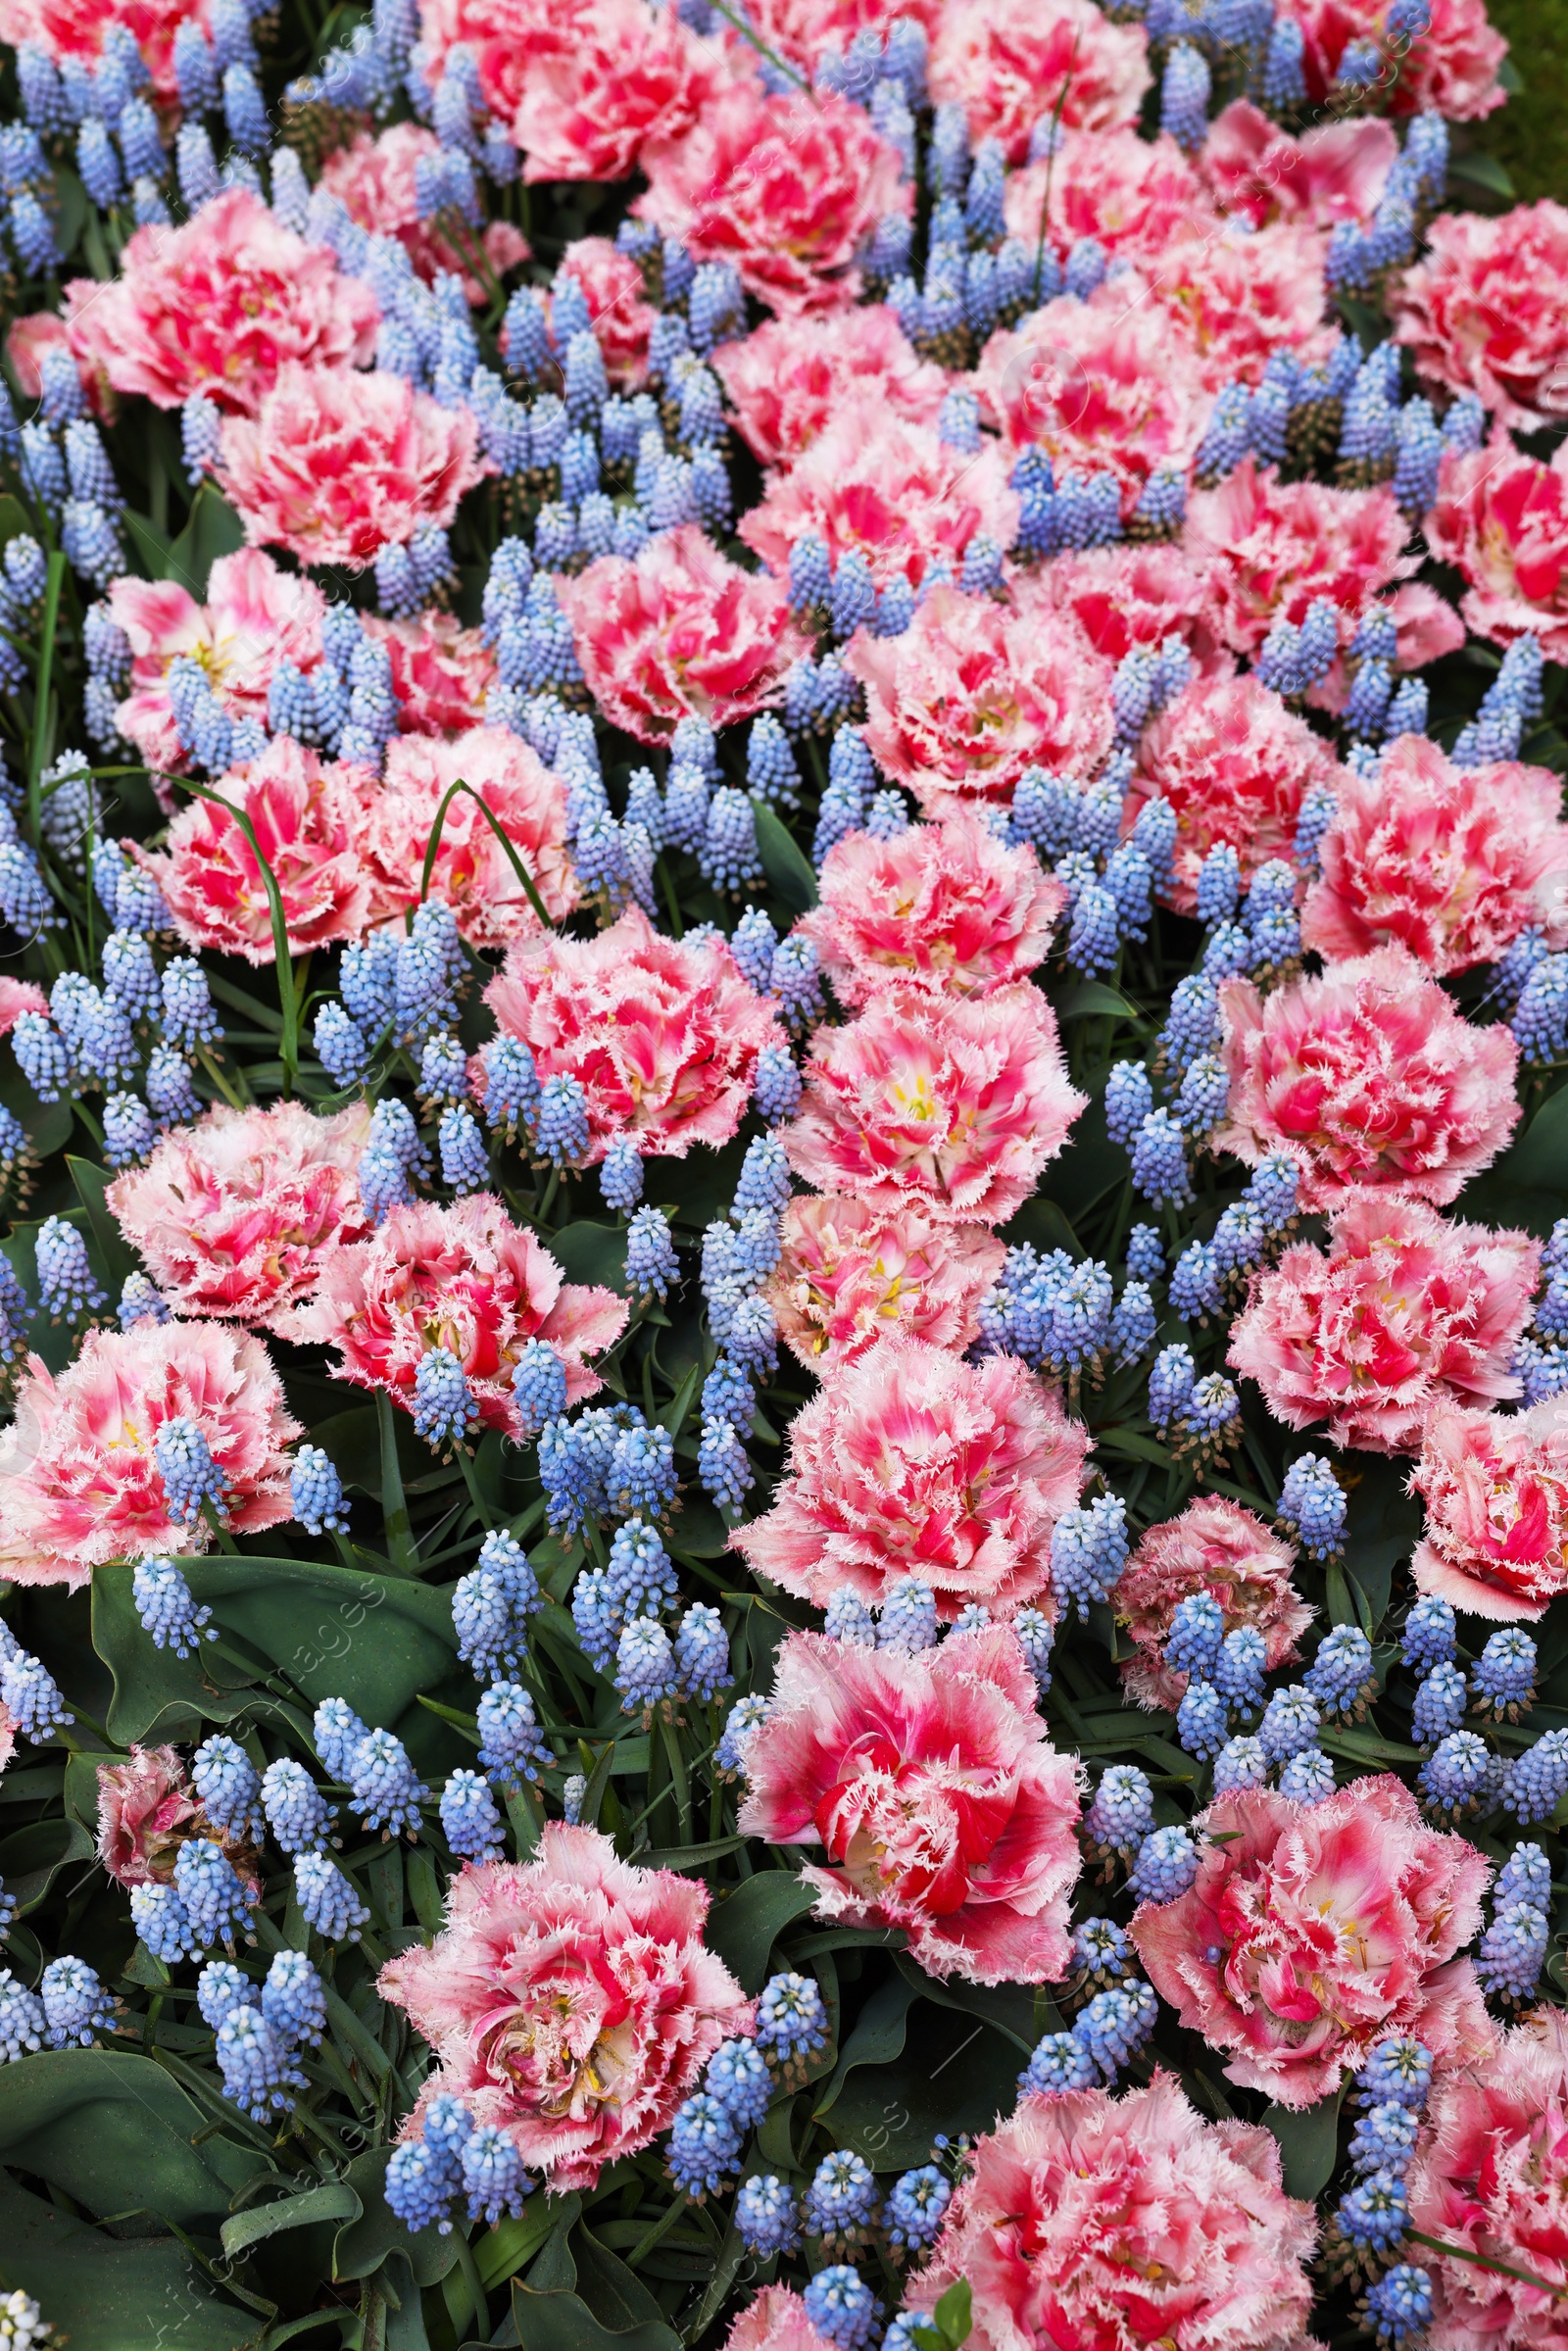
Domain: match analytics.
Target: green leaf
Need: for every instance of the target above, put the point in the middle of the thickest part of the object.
(33, 1858)
(555, 2320)
(1092, 995)
(956, 2076)
(376, 1640)
(13, 519)
(1308, 2138)
(877, 2037)
(1477, 170)
(783, 860)
(91, 1184)
(743, 1926)
(1535, 1161)
(504, 2250)
(72, 210)
(112, 2295)
(591, 1253)
(213, 529)
(1006, 2008)
(114, 2130)
(955, 2314)
(152, 545)
(333, 2200)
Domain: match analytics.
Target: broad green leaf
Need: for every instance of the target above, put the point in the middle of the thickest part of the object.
(591, 1253)
(14, 521)
(1006, 2008)
(109, 1244)
(743, 1926)
(514, 2244)
(1478, 171)
(876, 2039)
(1535, 1161)
(333, 2200)
(213, 529)
(376, 1640)
(1094, 997)
(152, 545)
(784, 861)
(112, 2295)
(114, 2130)
(32, 1858)
(1308, 2138)
(72, 210)
(956, 2076)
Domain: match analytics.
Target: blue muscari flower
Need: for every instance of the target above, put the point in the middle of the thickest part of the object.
(791, 2020)
(840, 2306)
(1122, 1814)
(1094, 938)
(464, 1157)
(729, 859)
(130, 976)
(1240, 1763)
(1200, 1719)
(327, 1902)
(1291, 1720)
(1088, 1552)
(215, 1898)
(1400, 2068)
(128, 1131)
(492, 1603)
(767, 2215)
(511, 1746)
(653, 1267)
(294, 1999)
(840, 2205)
(1398, 2306)
(1196, 1283)
(1312, 1508)
(1307, 1776)
(1536, 1782)
(1166, 1867)
(192, 1479)
(1238, 1671)
(75, 2003)
(297, 1814)
(908, 1619)
(1060, 2062)
(1430, 1634)
(228, 1785)
(384, 1789)
(163, 1601)
(1340, 1675)
(1505, 1673)
(220, 1988)
(738, 2078)
(704, 2146)
(1036, 1638)
(848, 1619)
(1375, 2214)
(1197, 1631)
(256, 2065)
(445, 1412)
(158, 1917)
(469, 1821)
(1129, 1101)
(493, 2176)
(1525, 1877)
(1384, 2138)
(645, 1671)
(1513, 1950)
(337, 1732)
(1170, 1387)
(1160, 1162)
(722, 1465)
(638, 1577)
(1134, 1325)
(1117, 2025)
(642, 1478)
(702, 1654)
(1457, 1772)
